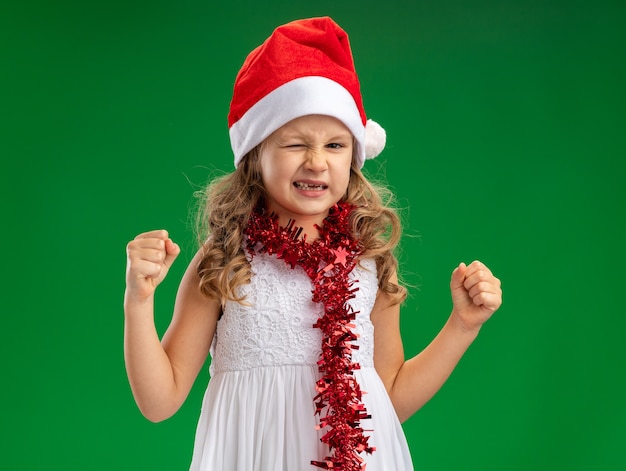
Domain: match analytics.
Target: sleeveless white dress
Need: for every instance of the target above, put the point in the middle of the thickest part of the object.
(258, 410)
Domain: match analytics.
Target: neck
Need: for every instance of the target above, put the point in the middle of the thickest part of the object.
(308, 225)
(334, 227)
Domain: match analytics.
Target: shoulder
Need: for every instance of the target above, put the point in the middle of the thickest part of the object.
(190, 295)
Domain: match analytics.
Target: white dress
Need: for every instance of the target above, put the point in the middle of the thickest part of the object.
(258, 410)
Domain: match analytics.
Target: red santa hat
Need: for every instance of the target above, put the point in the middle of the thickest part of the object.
(305, 67)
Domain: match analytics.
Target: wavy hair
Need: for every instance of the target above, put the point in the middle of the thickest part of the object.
(228, 201)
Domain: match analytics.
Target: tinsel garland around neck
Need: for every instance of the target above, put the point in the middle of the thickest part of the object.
(327, 261)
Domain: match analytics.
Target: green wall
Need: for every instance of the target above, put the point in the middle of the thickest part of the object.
(506, 140)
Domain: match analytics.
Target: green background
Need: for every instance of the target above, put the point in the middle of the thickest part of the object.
(506, 140)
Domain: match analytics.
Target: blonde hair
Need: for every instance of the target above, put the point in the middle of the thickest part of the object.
(226, 205)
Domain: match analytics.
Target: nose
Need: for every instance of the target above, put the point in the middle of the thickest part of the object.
(316, 160)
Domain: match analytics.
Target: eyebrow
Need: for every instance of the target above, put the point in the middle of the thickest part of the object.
(294, 134)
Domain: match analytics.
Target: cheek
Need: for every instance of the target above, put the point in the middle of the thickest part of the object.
(273, 168)
(275, 181)
(267, 171)
(344, 174)
(265, 177)
(345, 183)
(272, 177)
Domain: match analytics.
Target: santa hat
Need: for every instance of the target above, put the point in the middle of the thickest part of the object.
(305, 67)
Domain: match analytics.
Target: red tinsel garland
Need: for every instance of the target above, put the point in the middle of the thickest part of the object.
(328, 262)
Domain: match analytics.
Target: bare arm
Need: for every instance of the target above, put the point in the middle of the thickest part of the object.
(161, 373)
(476, 296)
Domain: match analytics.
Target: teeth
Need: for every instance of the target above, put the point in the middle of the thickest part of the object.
(306, 186)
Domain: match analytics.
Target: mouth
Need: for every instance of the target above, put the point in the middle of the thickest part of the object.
(310, 186)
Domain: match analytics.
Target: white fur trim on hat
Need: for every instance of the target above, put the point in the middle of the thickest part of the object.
(300, 97)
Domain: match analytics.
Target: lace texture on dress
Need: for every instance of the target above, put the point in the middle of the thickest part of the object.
(276, 328)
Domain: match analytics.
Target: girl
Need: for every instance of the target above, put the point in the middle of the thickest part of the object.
(294, 290)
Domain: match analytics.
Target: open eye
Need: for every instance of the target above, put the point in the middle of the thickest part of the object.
(335, 145)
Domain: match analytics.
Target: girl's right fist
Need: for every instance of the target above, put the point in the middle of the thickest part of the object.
(149, 257)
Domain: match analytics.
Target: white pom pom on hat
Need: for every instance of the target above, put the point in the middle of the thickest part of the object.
(305, 67)
(375, 139)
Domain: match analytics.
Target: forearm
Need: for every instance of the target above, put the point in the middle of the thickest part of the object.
(148, 367)
(422, 376)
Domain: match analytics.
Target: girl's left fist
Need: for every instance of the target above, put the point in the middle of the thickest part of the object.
(476, 294)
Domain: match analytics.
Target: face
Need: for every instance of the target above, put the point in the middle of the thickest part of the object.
(305, 168)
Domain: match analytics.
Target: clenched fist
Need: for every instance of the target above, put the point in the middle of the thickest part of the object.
(476, 294)
(149, 257)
